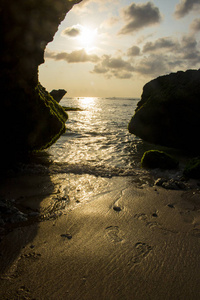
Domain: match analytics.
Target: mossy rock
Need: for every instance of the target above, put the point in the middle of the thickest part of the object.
(47, 120)
(169, 111)
(192, 169)
(158, 159)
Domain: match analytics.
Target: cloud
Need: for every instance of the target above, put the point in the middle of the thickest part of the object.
(73, 31)
(183, 54)
(116, 63)
(195, 25)
(114, 66)
(110, 22)
(111, 66)
(84, 5)
(133, 51)
(99, 69)
(158, 57)
(77, 56)
(189, 49)
(152, 65)
(138, 16)
(159, 64)
(185, 7)
(189, 42)
(161, 43)
(123, 74)
(86, 2)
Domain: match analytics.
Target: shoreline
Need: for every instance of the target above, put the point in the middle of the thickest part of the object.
(117, 241)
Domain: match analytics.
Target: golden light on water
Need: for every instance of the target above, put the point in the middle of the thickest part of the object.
(87, 101)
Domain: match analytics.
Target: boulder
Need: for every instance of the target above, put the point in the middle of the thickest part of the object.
(58, 94)
(46, 120)
(158, 159)
(169, 111)
(192, 169)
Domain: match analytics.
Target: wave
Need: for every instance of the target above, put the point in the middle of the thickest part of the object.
(70, 133)
(77, 169)
(98, 170)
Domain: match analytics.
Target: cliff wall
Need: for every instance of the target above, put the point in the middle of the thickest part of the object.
(30, 119)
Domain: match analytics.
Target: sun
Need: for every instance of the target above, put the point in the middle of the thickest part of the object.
(87, 37)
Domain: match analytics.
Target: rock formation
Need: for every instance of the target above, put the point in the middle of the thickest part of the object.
(192, 169)
(58, 94)
(158, 159)
(169, 111)
(30, 118)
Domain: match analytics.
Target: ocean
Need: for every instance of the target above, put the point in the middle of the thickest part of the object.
(97, 140)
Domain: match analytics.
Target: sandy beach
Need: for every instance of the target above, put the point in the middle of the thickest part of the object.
(118, 241)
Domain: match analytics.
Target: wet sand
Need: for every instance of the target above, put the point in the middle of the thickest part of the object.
(118, 241)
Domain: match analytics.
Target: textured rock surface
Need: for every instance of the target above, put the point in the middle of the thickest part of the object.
(192, 169)
(169, 111)
(28, 114)
(158, 159)
(58, 94)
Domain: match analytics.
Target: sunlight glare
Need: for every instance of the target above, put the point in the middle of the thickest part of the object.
(87, 101)
(88, 37)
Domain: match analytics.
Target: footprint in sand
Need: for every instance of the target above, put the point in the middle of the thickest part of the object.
(31, 255)
(22, 293)
(187, 216)
(141, 217)
(153, 224)
(170, 205)
(142, 250)
(147, 220)
(114, 234)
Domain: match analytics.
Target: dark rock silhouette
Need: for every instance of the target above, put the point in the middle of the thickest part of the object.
(30, 119)
(192, 169)
(58, 94)
(169, 111)
(158, 159)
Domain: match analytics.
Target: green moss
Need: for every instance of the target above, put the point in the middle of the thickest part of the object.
(50, 102)
(158, 159)
(47, 120)
(192, 169)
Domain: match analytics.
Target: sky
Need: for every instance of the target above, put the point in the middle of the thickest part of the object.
(108, 48)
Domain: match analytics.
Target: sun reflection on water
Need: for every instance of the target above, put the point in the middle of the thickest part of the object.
(94, 140)
(87, 101)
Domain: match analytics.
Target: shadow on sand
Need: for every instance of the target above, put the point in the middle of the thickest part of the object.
(27, 197)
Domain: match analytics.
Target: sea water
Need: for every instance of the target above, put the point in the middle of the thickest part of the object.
(97, 140)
